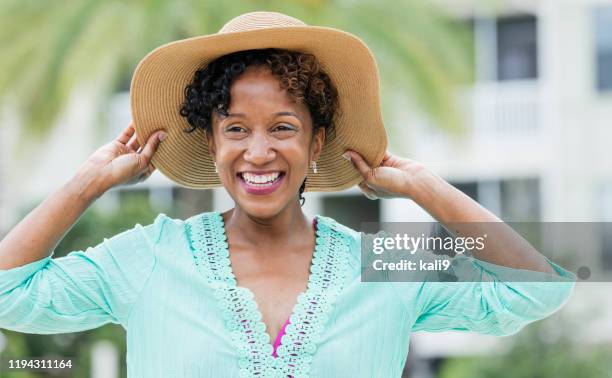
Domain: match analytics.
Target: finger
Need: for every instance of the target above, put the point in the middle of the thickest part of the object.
(359, 163)
(151, 168)
(370, 196)
(126, 134)
(388, 155)
(143, 176)
(134, 144)
(148, 172)
(364, 188)
(149, 148)
(367, 191)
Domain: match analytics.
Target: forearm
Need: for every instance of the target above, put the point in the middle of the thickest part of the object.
(44, 227)
(463, 216)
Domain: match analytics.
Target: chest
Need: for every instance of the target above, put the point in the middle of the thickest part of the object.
(275, 281)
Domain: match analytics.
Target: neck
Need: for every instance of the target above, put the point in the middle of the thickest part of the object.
(284, 228)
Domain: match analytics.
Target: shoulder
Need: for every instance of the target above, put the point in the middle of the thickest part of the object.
(338, 227)
(165, 229)
(351, 237)
(165, 226)
(144, 236)
(202, 218)
(161, 227)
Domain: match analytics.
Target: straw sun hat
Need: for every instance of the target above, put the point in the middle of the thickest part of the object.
(158, 85)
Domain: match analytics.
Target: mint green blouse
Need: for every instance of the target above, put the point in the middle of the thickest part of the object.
(170, 285)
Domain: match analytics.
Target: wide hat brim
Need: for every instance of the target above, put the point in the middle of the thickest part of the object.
(159, 81)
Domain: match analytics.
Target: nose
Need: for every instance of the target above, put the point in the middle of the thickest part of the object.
(260, 150)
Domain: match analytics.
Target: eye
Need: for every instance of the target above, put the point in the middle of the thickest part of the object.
(284, 127)
(235, 129)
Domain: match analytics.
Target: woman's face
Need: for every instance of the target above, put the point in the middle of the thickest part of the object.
(263, 148)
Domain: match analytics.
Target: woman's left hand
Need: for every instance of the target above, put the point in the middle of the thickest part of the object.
(391, 179)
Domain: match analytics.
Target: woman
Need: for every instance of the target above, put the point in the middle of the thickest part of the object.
(260, 290)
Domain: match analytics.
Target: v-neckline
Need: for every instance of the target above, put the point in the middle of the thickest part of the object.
(257, 310)
(328, 271)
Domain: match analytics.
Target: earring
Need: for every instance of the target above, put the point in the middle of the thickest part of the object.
(314, 166)
(215, 163)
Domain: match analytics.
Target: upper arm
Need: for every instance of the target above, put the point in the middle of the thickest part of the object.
(82, 290)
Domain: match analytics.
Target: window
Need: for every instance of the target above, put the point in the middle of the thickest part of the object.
(517, 48)
(513, 199)
(188, 202)
(351, 210)
(520, 200)
(468, 188)
(603, 47)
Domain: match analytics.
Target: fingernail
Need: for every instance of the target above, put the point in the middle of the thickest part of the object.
(371, 196)
(162, 136)
(346, 156)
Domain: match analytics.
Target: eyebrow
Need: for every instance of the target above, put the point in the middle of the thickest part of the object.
(292, 114)
(242, 115)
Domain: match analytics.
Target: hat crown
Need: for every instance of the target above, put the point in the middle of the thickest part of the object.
(260, 20)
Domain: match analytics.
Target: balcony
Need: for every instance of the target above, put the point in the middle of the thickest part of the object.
(504, 111)
(504, 133)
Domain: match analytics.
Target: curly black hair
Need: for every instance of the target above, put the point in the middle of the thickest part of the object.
(300, 74)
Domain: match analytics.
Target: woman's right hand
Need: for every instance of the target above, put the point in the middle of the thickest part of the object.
(123, 161)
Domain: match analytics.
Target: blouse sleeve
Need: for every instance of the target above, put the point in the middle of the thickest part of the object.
(82, 290)
(486, 298)
(490, 299)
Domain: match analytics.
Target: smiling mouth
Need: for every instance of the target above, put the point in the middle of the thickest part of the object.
(261, 180)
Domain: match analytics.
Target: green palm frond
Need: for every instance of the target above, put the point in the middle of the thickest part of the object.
(51, 48)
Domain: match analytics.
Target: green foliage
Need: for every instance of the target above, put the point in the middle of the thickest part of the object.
(531, 356)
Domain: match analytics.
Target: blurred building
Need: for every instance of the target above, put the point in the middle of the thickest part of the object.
(536, 145)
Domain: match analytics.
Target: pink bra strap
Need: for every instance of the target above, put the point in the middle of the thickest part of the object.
(277, 342)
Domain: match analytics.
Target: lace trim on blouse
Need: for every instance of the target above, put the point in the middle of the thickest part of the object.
(328, 272)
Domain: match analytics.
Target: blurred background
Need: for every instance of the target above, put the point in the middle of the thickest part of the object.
(510, 101)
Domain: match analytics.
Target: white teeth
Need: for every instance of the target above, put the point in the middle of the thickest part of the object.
(260, 179)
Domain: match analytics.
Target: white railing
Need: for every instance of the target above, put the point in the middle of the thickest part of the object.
(494, 113)
(504, 110)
